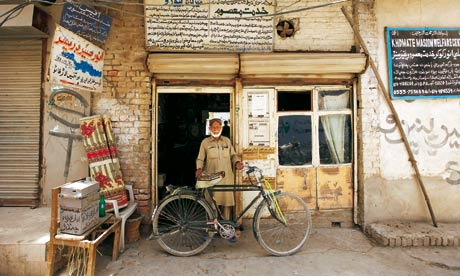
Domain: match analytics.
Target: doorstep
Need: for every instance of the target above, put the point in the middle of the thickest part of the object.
(395, 234)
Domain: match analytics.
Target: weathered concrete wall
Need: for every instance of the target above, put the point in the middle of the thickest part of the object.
(431, 125)
(56, 149)
(319, 29)
(126, 99)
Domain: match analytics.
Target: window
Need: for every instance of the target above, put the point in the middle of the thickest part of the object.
(315, 127)
(294, 140)
(335, 139)
(294, 101)
(334, 100)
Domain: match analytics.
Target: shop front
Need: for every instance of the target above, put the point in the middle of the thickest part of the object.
(291, 114)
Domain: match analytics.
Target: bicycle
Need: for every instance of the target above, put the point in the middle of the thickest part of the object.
(184, 223)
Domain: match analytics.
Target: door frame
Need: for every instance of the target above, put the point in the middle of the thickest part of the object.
(183, 89)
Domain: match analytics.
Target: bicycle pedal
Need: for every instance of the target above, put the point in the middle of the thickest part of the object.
(237, 233)
(233, 240)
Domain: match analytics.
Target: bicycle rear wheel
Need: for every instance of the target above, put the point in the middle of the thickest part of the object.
(181, 224)
(276, 237)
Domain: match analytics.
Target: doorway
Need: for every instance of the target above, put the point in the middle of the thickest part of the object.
(181, 126)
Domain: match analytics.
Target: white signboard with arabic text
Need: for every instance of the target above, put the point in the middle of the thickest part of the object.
(76, 62)
(221, 26)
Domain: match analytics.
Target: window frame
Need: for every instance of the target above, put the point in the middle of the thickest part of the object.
(315, 114)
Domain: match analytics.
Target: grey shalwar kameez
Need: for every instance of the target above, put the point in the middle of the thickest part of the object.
(217, 155)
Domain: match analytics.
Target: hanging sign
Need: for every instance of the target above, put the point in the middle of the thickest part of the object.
(86, 22)
(423, 62)
(76, 62)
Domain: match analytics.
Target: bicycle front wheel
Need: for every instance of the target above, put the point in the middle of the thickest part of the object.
(181, 224)
(285, 234)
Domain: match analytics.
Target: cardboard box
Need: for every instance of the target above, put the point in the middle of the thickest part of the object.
(78, 220)
(79, 189)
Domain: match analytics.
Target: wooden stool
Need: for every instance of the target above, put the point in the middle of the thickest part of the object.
(89, 240)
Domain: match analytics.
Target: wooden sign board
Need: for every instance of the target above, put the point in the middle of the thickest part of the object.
(254, 153)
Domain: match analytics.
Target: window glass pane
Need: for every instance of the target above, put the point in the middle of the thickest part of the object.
(294, 140)
(335, 139)
(334, 100)
(294, 101)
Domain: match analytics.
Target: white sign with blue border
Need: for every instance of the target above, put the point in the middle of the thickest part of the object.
(423, 62)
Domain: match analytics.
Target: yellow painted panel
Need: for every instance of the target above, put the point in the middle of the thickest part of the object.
(335, 188)
(301, 182)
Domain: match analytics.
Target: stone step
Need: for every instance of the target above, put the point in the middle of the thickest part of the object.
(395, 234)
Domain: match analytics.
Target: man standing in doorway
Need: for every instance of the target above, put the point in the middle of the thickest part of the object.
(217, 154)
(226, 129)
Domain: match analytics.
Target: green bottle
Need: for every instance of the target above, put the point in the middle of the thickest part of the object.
(101, 207)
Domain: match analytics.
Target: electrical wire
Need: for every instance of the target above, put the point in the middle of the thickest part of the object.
(17, 10)
(230, 18)
(14, 12)
(100, 4)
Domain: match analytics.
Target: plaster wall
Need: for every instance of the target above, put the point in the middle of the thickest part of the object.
(431, 126)
(321, 28)
(57, 150)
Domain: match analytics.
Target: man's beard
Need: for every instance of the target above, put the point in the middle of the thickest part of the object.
(216, 135)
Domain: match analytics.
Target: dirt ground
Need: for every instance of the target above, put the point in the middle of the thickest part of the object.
(331, 251)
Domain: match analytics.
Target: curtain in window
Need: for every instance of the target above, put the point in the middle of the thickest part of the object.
(334, 125)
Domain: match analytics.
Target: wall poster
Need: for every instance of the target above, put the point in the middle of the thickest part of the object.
(259, 133)
(258, 107)
(423, 62)
(75, 61)
(219, 26)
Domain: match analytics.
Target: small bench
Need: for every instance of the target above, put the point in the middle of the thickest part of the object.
(89, 240)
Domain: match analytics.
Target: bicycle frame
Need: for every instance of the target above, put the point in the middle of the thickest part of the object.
(253, 187)
(234, 188)
(186, 221)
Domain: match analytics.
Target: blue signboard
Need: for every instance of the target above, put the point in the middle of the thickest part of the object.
(423, 62)
(86, 22)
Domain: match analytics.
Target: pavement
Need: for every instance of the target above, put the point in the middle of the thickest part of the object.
(328, 251)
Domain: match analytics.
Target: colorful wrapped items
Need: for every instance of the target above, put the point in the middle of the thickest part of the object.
(111, 142)
(100, 147)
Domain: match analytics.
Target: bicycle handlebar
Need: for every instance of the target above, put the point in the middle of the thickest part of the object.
(252, 169)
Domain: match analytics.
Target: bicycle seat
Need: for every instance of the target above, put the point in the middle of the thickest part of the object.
(205, 180)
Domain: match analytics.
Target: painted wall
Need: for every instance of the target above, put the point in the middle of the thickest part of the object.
(432, 127)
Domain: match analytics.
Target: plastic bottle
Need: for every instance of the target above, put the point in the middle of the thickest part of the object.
(101, 207)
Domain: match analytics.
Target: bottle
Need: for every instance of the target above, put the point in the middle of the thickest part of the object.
(101, 207)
